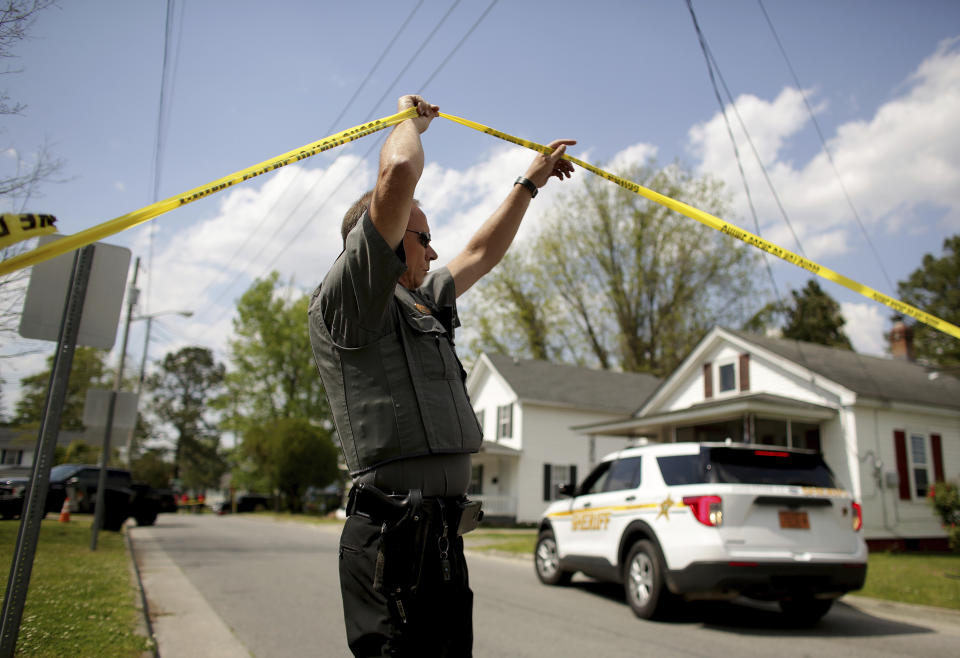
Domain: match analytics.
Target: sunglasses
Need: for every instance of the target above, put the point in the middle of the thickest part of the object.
(422, 237)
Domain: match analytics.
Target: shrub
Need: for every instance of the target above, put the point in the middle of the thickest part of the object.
(945, 499)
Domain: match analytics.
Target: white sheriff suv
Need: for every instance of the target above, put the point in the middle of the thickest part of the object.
(682, 521)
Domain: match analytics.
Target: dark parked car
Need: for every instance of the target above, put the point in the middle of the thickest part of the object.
(123, 497)
(13, 491)
(246, 503)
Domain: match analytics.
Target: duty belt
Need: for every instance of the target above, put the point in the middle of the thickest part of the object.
(368, 501)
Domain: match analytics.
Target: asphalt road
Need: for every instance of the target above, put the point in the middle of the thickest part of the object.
(275, 586)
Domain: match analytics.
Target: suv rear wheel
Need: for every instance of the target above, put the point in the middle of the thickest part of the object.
(643, 581)
(547, 561)
(805, 610)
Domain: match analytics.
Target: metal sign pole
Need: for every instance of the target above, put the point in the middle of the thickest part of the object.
(36, 500)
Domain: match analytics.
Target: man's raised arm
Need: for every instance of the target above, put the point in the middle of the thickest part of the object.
(401, 164)
(488, 245)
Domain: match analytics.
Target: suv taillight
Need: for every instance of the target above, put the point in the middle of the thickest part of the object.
(707, 509)
(857, 516)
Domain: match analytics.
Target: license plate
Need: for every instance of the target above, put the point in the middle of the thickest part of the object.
(794, 520)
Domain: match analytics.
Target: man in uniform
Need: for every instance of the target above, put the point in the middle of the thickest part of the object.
(382, 328)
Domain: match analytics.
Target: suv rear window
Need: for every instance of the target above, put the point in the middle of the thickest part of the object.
(747, 466)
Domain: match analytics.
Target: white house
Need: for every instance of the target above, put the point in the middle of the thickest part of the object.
(888, 427)
(18, 447)
(527, 409)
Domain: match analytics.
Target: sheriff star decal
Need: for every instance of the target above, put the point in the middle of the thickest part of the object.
(665, 508)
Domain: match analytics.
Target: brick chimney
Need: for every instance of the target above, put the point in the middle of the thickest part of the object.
(901, 340)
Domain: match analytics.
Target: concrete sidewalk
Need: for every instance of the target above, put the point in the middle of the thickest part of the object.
(183, 623)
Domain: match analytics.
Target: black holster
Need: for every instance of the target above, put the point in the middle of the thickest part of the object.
(403, 536)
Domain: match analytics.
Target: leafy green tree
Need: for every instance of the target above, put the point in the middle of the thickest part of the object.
(79, 452)
(815, 317)
(935, 288)
(616, 281)
(89, 370)
(272, 372)
(519, 288)
(292, 454)
(152, 467)
(182, 390)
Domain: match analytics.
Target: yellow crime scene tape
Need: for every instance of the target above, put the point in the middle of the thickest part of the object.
(129, 220)
(122, 223)
(731, 230)
(17, 227)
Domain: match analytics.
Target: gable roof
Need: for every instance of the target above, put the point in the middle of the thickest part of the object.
(869, 376)
(572, 386)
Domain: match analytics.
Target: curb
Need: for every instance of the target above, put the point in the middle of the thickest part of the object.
(945, 619)
(145, 627)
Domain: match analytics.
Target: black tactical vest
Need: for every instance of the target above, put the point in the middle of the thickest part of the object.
(402, 396)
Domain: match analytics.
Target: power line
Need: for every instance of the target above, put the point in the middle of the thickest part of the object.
(373, 109)
(457, 47)
(163, 115)
(299, 171)
(823, 142)
(440, 67)
(711, 65)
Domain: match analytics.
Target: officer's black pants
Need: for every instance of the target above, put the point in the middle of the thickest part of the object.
(436, 620)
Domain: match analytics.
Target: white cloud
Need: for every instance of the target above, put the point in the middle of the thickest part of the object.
(636, 154)
(290, 223)
(901, 161)
(458, 202)
(865, 326)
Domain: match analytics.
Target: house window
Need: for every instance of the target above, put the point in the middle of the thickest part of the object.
(11, 457)
(505, 421)
(476, 481)
(553, 476)
(919, 464)
(728, 377)
(805, 435)
(719, 430)
(771, 432)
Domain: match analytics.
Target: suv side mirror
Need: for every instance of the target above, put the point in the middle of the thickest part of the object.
(568, 489)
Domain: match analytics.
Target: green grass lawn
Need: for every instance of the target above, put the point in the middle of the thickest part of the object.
(924, 578)
(79, 602)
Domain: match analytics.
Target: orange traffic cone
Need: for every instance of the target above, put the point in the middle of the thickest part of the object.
(65, 511)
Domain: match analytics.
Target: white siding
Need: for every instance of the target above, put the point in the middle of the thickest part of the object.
(490, 392)
(548, 439)
(885, 516)
(767, 375)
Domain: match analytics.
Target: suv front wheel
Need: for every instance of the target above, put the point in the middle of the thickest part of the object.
(547, 560)
(643, 581)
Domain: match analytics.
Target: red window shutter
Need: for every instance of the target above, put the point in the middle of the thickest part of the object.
(744, 372)
(937, 449)
(707, 380)
(903, 472)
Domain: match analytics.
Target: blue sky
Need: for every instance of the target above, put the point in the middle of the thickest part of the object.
(626, 79)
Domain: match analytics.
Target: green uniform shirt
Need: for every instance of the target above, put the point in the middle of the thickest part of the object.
(387, 359)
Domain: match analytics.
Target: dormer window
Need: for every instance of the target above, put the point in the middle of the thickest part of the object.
(728, 377)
